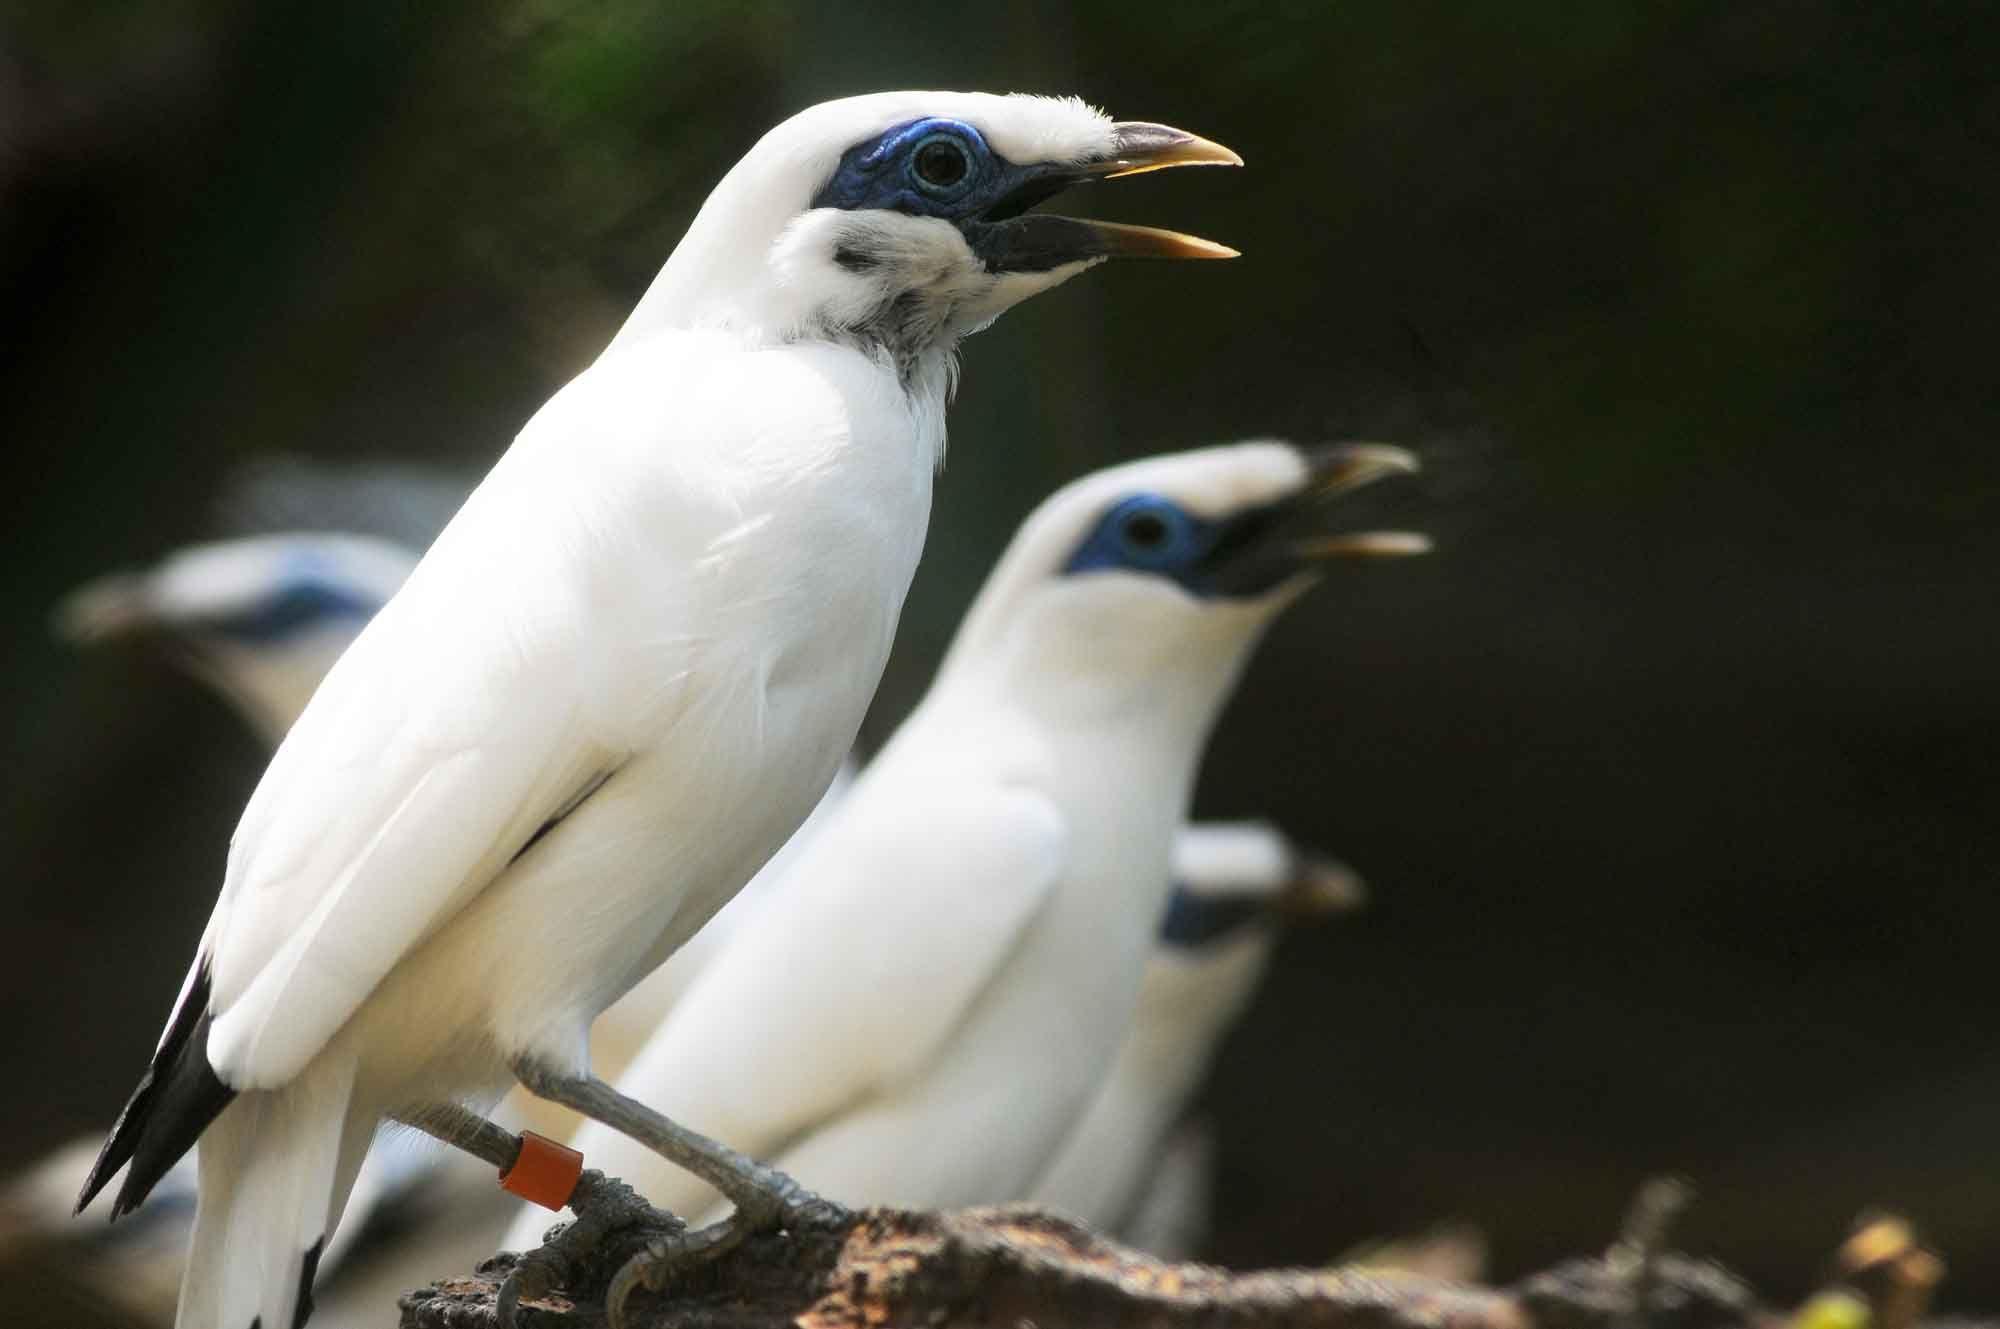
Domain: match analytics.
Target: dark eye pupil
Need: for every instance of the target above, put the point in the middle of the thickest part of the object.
(941, 163)
(1145, 530)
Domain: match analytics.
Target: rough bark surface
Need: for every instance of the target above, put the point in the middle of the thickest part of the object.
(1008, 1268)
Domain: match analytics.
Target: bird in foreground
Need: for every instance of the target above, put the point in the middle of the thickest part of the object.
(960, 948)
(1235, 884)
(622, 676)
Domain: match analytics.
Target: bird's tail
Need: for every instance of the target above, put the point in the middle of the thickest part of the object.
(275, 1170)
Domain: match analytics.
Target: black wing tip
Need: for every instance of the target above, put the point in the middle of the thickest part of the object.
(177, 1097)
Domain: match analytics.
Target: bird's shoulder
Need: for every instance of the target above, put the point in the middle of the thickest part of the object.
(907, 891)
(892, 920)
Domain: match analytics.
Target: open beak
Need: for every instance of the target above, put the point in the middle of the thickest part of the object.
(117, 610)
(107, 609)
(1340, 469)
(1264, 547)
(1012, 239)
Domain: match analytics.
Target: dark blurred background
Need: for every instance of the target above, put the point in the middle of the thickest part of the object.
(1672, 771)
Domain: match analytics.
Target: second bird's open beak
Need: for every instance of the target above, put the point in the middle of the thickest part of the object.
(1016, 240)
(1341, 468)
(1267, 546)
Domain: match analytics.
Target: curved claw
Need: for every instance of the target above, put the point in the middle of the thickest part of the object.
(603, 1205)
(629, 1276)
(662, 1259)
(530, 1277)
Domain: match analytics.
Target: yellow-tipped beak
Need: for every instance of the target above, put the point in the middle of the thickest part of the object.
(1122, 240)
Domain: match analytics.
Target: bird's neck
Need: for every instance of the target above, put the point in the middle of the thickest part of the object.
(907, 337)
(913, 331)
(1085, 722)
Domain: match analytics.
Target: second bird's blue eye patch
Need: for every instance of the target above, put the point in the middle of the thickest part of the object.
(934, 167)
(1146, 533)
(1242, 555)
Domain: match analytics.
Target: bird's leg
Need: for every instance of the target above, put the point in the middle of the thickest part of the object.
(466, 1131)
(763, 1196)
(602, 1205)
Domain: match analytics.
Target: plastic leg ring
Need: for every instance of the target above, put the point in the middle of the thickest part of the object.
(544, 1172)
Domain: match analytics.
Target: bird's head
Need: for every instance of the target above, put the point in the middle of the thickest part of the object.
(902, 220)
(1234, 885)
(260, 619)
(1245, 878)
(1158, 576)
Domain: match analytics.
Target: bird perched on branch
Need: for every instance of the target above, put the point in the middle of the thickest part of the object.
(958, 953)
(616, 683)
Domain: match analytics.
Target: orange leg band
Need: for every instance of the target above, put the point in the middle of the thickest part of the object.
(544, 1172)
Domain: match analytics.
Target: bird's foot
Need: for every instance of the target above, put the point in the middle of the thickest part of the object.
(610, 1218)
(786, 1205)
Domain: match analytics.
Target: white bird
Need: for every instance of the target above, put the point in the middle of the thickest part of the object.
(960, 946)
(1234, 883)
(623, 674)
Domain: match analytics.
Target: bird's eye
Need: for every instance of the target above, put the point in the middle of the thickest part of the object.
(1150, 532)
(940, 164)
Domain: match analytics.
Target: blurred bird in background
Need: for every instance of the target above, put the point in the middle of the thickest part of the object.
(260, 620)
(622, 676)
(925, 1019)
